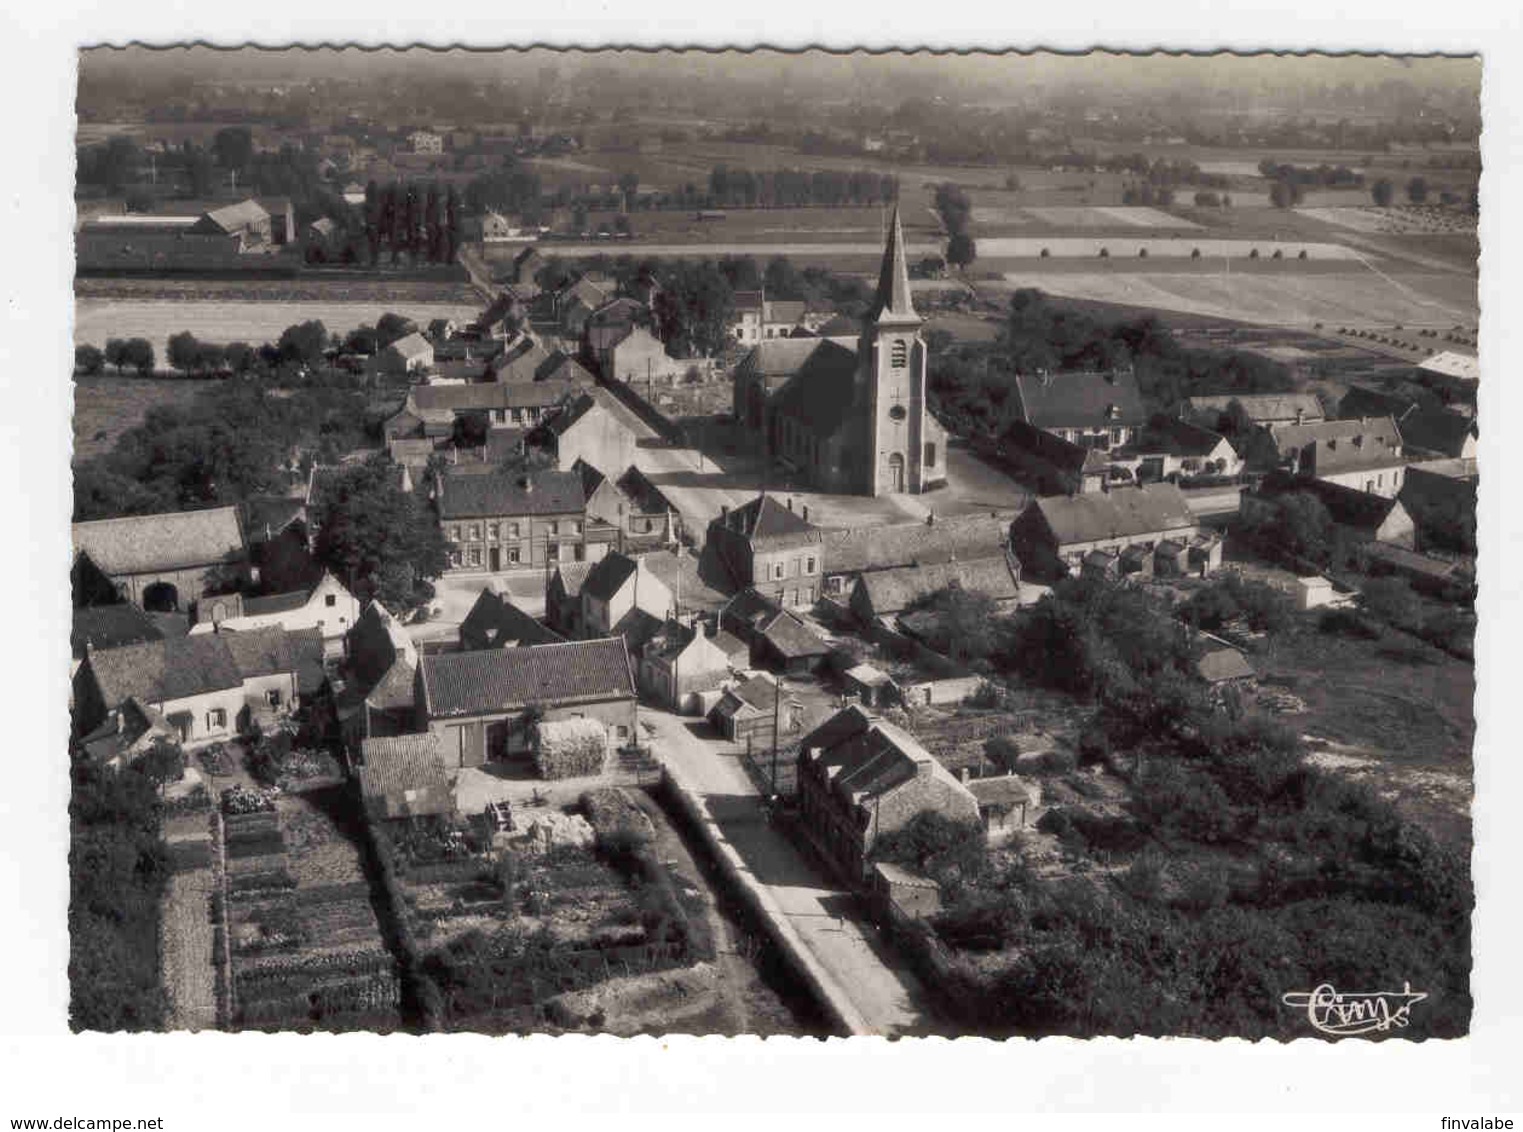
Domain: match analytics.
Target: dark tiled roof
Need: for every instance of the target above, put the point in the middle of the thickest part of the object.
(520, 363)
(489, 395)
(268, 515)
(169, 669)
(1170, 435)
(609, 575)
(109, 627)
(791, 638)
(505, 680)
(504, 442)
(823, 388)
(1362, 401)
(147, 543)
(537, 493)
(573, 576)
(1128, 512)
(1343, 445)
(766, 522)
(1346, 505)
(275, 603)
(266, 652)
(1262, 408)
(1080, 400)
(1438, 430)
(853, 550)
(495, 622)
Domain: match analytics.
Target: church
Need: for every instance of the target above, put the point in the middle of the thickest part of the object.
(850, 413)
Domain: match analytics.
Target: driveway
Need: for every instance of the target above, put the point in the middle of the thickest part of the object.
(826, 916)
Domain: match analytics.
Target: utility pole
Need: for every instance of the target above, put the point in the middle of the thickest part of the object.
(777, 705)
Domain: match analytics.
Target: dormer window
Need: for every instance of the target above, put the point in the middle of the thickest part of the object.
(899, 354)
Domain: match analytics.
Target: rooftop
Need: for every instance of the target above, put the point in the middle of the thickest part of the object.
(535, 493)
(142, 544)
(1081, 400)
(506, 680)
(1127, 512)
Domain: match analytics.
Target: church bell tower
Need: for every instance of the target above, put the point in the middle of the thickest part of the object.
(893, 357)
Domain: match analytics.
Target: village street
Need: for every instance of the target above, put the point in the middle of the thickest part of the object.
(826, 916)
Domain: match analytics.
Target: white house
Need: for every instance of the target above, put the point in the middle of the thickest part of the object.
(327, 607)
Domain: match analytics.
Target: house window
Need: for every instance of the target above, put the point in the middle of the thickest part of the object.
(492, 530)
(518, 416)
(513, 555)
(1116, 434)
(623, 731)
(331, 600)
(512, 530)
(454, 558)
(454, 533)
(272, 697)
(216, 719)
(809, 564)
(930, 455)
(555, 526)
(476, 532)
(778, 569)
(475, 556)
(576, 527)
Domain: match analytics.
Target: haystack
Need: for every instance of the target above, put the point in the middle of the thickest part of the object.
(570, 748)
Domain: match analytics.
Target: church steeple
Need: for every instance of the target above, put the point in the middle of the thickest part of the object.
(892, 305)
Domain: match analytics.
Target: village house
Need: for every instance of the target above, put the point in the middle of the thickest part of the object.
(494, 622)
(882, 594)
(777, 638)
(861, 778)
(483, 705)
(681, 661)
(375, 697)
(1003, 801)
(1365, 401)
(168, 562)
(499, 522)
(575, 304)
(609, 502)
(756, 712)
(406, 357)
(282, 218)
(245, 222)
(1260, 410)
(1363, 516)
(522, 359)
(108, 627)
(1051, 465)
(1363, 454)
(1054, 534)
(327, 607)
(1090, 409)
(1169, 447)
(1440, 496)
(563, 598)
(523, 277)
(747, 317)
(869, 686)
(207, 687)
(622, 597)
(850, 552)
(769, 546)
(853, 417)
(633, 355)
(589, 429)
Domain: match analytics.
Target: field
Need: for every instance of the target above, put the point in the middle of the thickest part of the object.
(989, 217)
(304, 290)
(1172, 247)
(254, 322)
(1396, 221)
(1273, 298)
(105, 407)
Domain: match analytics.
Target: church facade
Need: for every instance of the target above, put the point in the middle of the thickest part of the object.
(851, 414)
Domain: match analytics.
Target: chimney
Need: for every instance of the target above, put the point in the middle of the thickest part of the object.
(790, 504)
(924, 767)
(963, 775)
(806, 512)
(1300, 415)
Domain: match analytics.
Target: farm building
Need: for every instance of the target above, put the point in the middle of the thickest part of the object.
(850, 552)
(1222, 665)
(406, 776)
(1259, 409)
(484, 704)
(777, 637)
(109, 627)
(405, 357)
(1442, 433)
(860, 778)
(1053, 535)
(869, 686)
(1440, 495)
(1169, 446)
(1365, 401)
(1051, 464)
(1003, 800)
(880, 594)
(745, 712)
(327, 607)
(1363, 516)
(167, 562)
(916, 896)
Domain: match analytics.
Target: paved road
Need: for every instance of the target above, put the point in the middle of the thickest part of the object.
(825, 915)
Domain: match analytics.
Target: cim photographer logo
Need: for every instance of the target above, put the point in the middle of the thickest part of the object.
(1345, 1014)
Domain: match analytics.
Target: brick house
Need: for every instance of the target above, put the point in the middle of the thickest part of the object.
(591, 430)
(860, 778)
(167, 562)
(376, 696)
(777, 638)
(406, 357)
(679, 662)
(768, 546)
(512, 522)
(622, 597)
(1053, 534)
(479, 702)
(1093, 409)
(494, 622)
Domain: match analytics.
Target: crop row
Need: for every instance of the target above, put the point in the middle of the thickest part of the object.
(362, 961)
(261, 880)
(375, 993)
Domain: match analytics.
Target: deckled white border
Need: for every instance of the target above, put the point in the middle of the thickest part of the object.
(223, 1082)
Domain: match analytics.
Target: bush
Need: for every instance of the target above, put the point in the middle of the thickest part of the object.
(1002, 750)
(987, 695)
(1050, 762)
(1347, 623)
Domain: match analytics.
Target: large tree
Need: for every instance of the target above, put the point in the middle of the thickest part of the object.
(382, 541)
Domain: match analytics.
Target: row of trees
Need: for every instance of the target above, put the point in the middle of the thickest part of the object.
(406, 219)
(778, 188)
(121, 354)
